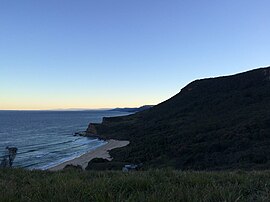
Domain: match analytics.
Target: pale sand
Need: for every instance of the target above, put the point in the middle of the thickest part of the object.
(100, 152)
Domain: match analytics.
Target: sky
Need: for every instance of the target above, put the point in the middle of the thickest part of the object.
(60, 54)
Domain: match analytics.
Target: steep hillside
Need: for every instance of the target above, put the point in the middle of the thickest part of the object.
(216, 123)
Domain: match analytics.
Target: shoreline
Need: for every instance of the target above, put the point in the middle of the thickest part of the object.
(99, 152)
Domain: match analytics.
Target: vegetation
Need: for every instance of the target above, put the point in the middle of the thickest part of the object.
(8, 158)
(212, 124)
(104, 164)
(155, 185)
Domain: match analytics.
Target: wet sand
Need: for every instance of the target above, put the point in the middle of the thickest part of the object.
(100, 152)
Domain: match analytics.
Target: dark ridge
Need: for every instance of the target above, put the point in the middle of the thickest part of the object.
(215, 123)
(132, 110)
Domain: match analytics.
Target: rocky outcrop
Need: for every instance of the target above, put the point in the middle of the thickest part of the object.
(91, 129)
(81, 133)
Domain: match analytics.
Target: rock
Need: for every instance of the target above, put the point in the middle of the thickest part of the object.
(82, 133)
(91, 132)
(91, 129)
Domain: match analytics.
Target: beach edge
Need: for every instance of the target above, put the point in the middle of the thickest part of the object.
(99, 152)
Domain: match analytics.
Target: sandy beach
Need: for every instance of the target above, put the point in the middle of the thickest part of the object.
(100, 152)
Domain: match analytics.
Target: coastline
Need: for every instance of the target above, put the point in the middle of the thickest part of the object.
(99, 152)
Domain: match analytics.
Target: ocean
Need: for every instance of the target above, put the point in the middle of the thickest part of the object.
(46, 138)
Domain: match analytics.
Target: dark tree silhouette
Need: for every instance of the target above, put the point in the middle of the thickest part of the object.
(9, 157)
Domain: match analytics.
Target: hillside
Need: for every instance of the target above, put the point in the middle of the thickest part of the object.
(215, 123)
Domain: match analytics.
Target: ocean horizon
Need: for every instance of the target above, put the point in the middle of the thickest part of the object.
(45, 138)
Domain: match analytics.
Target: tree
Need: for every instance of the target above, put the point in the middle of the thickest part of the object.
(9, 157)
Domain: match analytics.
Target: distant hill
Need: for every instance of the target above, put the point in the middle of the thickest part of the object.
(134, 109)
(215, 123)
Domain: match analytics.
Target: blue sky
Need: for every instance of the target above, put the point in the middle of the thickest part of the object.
(116, 53)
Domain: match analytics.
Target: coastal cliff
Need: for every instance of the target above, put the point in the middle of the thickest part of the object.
(91, 131)
(215, 123)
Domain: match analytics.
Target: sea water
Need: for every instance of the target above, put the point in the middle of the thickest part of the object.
(46, 138)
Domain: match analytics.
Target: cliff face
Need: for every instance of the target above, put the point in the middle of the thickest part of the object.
(216, 123)
(91, 130)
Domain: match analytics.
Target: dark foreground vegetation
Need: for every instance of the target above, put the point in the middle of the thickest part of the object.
(152, 185)
(212, 124)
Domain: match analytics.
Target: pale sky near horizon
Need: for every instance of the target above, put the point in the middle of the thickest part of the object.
(123, 53)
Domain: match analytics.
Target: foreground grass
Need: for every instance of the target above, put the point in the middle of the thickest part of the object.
(156, 185)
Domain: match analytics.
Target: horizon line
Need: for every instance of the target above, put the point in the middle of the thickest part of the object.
(60, 109)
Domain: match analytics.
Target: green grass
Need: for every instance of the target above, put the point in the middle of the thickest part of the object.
(153, 185)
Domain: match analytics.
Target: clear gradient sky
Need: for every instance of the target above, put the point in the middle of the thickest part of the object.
(115, 53)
